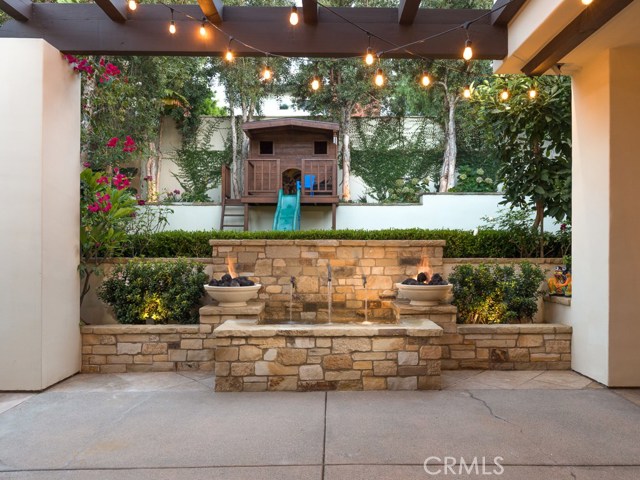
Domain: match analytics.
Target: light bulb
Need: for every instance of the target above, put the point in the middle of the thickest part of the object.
(504, 95)
(533, 93)
(133, 5)
(293, 18)
(379, 80)
(315, 83)
(228, 56)
(203, 30)
(468, 51)
(467, 92)
(587, 2)
(172, 27)
(368, 58)
(267, 74)
(425, 80)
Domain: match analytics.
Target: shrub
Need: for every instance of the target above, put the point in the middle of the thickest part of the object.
(496, 294)
(460, 243)
(164, 292)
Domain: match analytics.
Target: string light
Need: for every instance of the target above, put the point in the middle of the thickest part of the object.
(468, 51)
(379, 79)
(133, 5)
(267, 73)
(466, 93)
(587, 2)
(425, 80)
(228, 56)
(533, 93)
(368, 58)
(315, 83)
(504, 95)
(203, 28)
(172, 25)
(293, 17)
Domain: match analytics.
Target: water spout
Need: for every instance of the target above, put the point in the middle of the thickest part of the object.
(366, 300)
(329, 292)
(292, 289)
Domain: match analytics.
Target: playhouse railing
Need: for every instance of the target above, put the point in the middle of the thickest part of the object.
(324, 173)
(262, 176)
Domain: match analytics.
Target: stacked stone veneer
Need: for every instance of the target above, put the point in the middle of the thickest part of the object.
(252, 357)
(537, 346)
(158, 348)
(274, 262)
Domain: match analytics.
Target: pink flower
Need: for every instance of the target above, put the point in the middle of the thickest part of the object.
(112, 70)
(116, 170)
(94, 207)
(112, 143)
(107, 207)
(563, 227)
(148, 178)
(102, 179)
(176, 191)
(86, 164)
(129, 145)
(102, 61)
(141, 202)
(71, 59)
(120, 181)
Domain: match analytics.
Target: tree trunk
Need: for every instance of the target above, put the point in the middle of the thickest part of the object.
(448, 173)
(153, 171)
(236, 185)
(346, 153)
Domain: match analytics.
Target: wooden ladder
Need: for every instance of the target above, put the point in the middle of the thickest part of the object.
(232, 208)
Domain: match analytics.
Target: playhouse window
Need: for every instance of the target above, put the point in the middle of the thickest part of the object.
(266, 148)
(319, 148)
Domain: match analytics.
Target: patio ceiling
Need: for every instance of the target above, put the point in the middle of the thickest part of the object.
(108, 27)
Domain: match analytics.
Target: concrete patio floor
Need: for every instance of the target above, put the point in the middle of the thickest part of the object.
(544, 425)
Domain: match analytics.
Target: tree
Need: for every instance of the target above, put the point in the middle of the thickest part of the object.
(533, 136)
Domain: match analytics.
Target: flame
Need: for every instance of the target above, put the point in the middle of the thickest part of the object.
(231, 268)
(425, 267)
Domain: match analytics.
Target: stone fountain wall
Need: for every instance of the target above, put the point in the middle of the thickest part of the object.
(274, 262)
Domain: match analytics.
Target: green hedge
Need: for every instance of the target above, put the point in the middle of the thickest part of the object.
(460, 243)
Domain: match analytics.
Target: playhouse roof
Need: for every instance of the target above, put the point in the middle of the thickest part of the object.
(289, 124)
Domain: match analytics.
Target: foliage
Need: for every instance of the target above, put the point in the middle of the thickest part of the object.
(106, 208)
(496, 294)
(459, 243)
(473, 180)
(159, 292)
(386, 150)
(519, 224)
(533, 136)
(199, 167)
(408, 190)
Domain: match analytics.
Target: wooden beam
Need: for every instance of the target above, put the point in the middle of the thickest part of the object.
(116, 10)
(310, 11)
(20, 10)
(581, 28)
(212, 9)
(504, 11)
(407, 11)
(84, 29)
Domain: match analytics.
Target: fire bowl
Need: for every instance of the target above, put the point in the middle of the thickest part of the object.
(233, 296)
(425, 295)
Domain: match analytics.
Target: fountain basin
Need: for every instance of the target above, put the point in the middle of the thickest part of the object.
(233, 296)
(425, 295)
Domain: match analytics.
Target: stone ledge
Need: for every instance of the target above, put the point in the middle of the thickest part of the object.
(403, 307)
(119, 329)
(252, 308)
(566, 301)
(330, 243)
(250, 328)
(523, 328)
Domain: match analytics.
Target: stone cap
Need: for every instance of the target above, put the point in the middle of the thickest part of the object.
(252, 308)
(520, 328)
(119, 329)
(559, 300)
(251, 328)
(403, 307)
(330, 243)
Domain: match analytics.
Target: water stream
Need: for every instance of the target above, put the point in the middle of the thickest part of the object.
(366, 300)
(291, 291)
(329, 291)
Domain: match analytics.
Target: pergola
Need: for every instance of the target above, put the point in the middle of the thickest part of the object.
(598, 45)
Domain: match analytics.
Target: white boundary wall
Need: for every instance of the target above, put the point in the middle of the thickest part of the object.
(436, 211)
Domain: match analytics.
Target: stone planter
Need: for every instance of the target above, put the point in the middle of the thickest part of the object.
(233, 296)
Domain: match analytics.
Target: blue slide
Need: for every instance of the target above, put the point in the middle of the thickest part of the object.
(288, 212)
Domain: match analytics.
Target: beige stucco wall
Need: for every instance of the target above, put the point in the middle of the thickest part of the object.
(39, 168)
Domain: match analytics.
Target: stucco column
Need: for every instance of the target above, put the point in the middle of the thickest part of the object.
(39, 198)
(606, 221)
